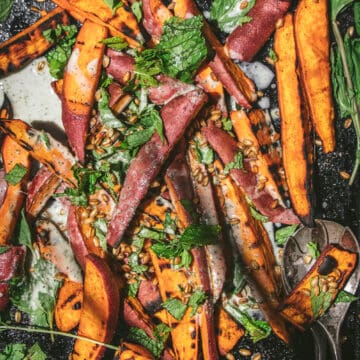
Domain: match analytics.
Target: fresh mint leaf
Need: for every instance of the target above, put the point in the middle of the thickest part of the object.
(239, 280)
(13, 352)
(337, 6)
(180, 52)
(113, 4)
(107, 116)
(229, 14)
(313, 249)
(272, 55)
(150, 118)
(190, 208)
(161, 332)
(45, 139)
(137, 138)
(236, 163)
(133, 288)
(197, 298)
(133, 262)
(257, 215)
(199, 235)
(63, 37)
(139, 336)
(320, 303)
(5, 9)
(115, 43)
(136, 8)
(204, 153)
(24, 232)
(227, 124)
(256, 329)
(35, 353)
(282, 234)
(4, 249)
(100, 226)
(16, 174)
(175, 307)
(147, 233)
(345, 297)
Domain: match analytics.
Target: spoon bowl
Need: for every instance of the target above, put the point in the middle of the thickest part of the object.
(295, 268)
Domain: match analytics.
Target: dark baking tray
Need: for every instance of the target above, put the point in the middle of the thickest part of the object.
(335, 200)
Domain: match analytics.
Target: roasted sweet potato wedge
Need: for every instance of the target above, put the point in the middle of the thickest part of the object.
(315, 293)
(68, 305)
(100, 310)
(129, 351)
(42, 147)
(295, 124)
(13, 155)
(311, 26)
(30, 43)
(81, 77)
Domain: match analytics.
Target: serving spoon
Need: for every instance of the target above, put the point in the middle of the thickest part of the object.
(294, 269)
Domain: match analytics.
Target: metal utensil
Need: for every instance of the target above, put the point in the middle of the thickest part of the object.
(294, 269)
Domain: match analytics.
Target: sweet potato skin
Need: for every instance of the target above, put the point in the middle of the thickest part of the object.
(297, 306)
(100, 309)
(311, 26)
(30, 43)
(81, 77)
(294, 123)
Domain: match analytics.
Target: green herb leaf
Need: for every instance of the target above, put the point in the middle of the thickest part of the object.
(190, 208)
(13, 352)
(139, 336)
(256, 329)
(64, 36)
(357, 16)
(320, 303)
(150, 118)
(113, 4)
(161, 332)
(282, 234)
(345, 297)
(4, 249)
(229, 14)
(227, 124)
(337, 6)
(136, 8)
(313, 249)
(147, 233)
(200, 235)
(138, 138)
(236, 163)
(133, 288)
(45, 139)
(175, 307)
(115, 43)
(179, 53)
(197, 298)
(133, 261)
(100, 226)
(239, 280)
(272, 55)
(204, 153)
(16, 174)
(24, 233)
(257, 215)
(5, 9)
(35, 353)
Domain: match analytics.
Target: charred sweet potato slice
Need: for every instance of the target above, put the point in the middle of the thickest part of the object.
(294, 123)
(13, 155)
(81, 78)
(311, 26)
(129, 351)
(30, 43)
(310, 298)
(68, 305)
(100, 310)
(122, 24)
(42, 147)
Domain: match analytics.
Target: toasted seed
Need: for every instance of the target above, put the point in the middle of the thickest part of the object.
(332, 291)
(94, 202)
(127, 77)
(255, 169)
(350, 30)
(322, 282)
(177, 260)
(256, 356)
(97, 95)
(314, 281)
(155, 184)
(133, 119)
(244, 352)
(243, 5)
(254, 265)
(205, 182)
(306, 292)
(331, 278)
(333, 284)
(234, 221)
(145, 259)
(318, 142)
(275, 137)
(324, 288)
(347, 123)
(18, 316)
(337, 273)
(106, 61)
(230, 356)
(187, 288)
(316, 290)
(274, 204)
(247, 142)
(126, 268)
(345, 175)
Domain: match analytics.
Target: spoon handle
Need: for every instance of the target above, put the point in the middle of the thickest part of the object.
(332, 333)
(320, 343)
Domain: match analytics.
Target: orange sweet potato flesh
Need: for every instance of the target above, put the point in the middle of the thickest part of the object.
(53, 155)
(297, 306)
(129, 351)
(254, 250)
(30, 43)
(313, 49)
(99, 13)
(12, 154)
(81, 78)
(295, 123)
(100, 311)
(68, 305)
